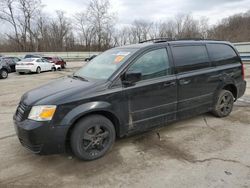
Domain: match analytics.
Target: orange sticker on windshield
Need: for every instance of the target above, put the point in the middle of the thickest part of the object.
(119, 58)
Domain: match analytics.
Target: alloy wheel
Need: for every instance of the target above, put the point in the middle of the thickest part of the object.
(95, 140)
(226, 104)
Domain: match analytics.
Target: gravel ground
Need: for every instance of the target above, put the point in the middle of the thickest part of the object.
(202, 151)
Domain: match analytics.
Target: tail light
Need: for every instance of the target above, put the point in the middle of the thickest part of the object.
(243, 71)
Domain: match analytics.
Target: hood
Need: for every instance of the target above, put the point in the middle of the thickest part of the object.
(56, 90)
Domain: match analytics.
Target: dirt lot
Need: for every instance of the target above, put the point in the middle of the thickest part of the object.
(199, 152)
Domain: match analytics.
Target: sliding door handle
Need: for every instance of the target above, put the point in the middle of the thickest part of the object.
(168, 84)
(184, 82)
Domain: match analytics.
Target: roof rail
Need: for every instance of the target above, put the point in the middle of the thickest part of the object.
(158, 40)
(191, 39)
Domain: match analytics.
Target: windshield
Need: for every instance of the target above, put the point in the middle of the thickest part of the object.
(105, 64)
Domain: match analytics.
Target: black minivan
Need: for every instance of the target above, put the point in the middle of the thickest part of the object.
(127, 90)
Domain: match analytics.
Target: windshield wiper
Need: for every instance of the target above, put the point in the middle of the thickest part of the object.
(79, 77)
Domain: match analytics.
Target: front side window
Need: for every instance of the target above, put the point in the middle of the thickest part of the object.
(152, 64)
(188, 58)
(105, 64)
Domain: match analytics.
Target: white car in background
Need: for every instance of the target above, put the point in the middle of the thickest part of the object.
(37, 65)
(55, 66)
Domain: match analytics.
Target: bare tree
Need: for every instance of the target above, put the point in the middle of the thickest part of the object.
(29, 29)
(19, 14)
(100, 19)
(84, 29)
(59, 29)
(187, 27)
(8, 14)
(167, 29)
(235, 28)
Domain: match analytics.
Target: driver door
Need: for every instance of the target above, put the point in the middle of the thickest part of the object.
(153, 100)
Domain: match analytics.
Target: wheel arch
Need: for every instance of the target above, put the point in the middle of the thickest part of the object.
(102, 108)
(109, 115)
(229, 86)
(6, 69)
(232, 88)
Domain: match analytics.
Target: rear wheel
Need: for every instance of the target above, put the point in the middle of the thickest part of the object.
(53, 69)
(224, 104)
(92, 137)
(3, 74)
(38, 70)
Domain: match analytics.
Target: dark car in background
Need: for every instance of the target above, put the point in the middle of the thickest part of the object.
(127, 90)
(57, 61)
(33, 56)
(4, 68)
(11, 61)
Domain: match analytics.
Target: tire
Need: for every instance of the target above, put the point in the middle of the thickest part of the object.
(38, 70)
(224, 104)
(53, 69)
(3, 74)
(92, 137)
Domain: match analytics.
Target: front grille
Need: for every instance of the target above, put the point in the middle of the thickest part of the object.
(33, 148)
(22, 112)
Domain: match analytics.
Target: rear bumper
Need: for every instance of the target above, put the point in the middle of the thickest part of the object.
(241, 87)
(25, 69)
(41, 137)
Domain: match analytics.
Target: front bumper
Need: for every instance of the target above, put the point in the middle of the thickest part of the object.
(41, 137)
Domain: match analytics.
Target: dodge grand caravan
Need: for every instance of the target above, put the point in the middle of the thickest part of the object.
(127, 90)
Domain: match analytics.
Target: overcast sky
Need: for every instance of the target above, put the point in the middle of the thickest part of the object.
(129, 10)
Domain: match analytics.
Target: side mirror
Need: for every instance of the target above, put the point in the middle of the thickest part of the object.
(130, 78)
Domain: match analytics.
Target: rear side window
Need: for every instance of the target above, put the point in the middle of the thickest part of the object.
(222, 54)
(188, 58)
(152, 64)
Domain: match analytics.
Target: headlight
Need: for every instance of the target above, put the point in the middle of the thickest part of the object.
(42, 113)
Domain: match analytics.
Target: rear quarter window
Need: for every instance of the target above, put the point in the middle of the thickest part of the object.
(222, 54)
(190, 57)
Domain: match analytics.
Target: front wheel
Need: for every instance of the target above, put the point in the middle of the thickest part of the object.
(92, 137)
(224, 104)
(3, 74)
